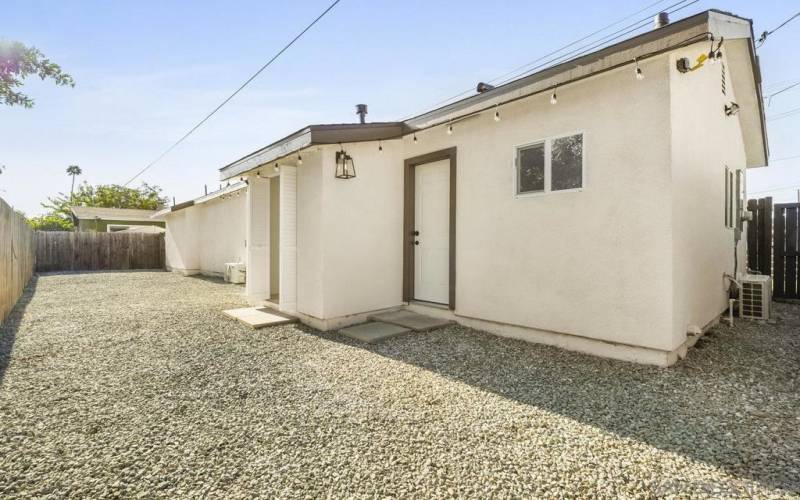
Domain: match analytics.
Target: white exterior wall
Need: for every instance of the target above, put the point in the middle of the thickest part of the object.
(203, 237)
(704, 142)
(635, 258)
(594, 263)
(181, 242)
(309, 236)
(362, 230)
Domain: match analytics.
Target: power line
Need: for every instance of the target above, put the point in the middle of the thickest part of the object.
(777, 188)
(785, 158)
(785, 114)
(764, 35)
(223, 103)
(471, 89)
(769, 97)
(596, 44)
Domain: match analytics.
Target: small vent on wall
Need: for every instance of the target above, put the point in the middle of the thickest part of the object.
(724, 89)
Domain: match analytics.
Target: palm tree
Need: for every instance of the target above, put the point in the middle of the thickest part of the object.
(74, 171)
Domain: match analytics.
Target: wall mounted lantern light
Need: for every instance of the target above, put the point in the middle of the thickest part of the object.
(345, 167)
(731, 109)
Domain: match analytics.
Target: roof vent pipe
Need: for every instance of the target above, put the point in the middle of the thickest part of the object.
(661, 20)
(484, 87)
(361, 111)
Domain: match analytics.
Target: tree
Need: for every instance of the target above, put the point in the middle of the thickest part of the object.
(74, 171)
(146, 197)
(17, 62)
(51, 222)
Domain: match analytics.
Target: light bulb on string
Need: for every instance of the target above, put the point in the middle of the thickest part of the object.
(415, 138)
(450, 129)
(639, 74)
(299, 160)
(380, 147)
(554, 98)
(496, 114)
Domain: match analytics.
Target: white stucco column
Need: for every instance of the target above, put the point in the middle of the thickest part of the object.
(257, 226)
(288, 238)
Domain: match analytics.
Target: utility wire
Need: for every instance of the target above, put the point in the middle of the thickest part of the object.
(777, 188)
(560, 49)
(785, 114)
(764, 35)
(785, 158)
(223, 103)
(596, 44)
(769, 97)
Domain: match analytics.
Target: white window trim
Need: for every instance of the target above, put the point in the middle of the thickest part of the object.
(548, 158)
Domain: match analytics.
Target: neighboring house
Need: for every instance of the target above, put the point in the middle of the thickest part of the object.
(112, 219)
(595, 205)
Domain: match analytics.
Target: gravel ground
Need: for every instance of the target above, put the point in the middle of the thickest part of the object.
(128, 384)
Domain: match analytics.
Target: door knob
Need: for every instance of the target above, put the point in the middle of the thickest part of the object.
(416, 242)
(416, 233)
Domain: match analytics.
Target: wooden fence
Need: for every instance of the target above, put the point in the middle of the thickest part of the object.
(759, 236)
(17, 257)
(786, 251)
(93, 251)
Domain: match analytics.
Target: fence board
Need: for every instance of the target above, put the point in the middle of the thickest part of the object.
(93, 251)
(17, 257)
(790, 254)
(752, 236)
(779, 287)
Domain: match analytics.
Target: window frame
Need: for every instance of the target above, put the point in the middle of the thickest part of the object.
(548, 164)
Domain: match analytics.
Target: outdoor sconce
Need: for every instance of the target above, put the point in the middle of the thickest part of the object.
(731, 109)
(345, 167)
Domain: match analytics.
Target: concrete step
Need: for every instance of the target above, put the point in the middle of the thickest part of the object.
(411, 320)
(259, 317)
(373, 332)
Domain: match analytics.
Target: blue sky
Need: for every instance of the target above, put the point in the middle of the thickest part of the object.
(147, 71)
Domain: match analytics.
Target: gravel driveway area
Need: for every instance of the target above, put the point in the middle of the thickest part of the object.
(134, 384)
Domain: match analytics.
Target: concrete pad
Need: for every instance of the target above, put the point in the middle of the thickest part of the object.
(255, 317)
(412, 320)
(372, 333)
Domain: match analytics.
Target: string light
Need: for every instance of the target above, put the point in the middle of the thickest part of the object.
(299, 160)
(276, 168)
(380, 147)
(450, 129)
(554, 97)
(496, 113)
(415, 138)
(639, 74)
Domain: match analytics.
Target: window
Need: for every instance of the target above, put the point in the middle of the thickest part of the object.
(550, 165)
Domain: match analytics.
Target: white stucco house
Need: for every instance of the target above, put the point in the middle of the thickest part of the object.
(593, 205)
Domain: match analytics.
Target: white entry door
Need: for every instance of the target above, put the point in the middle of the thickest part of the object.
(432, 222)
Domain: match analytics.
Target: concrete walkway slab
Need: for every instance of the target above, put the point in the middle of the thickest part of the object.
(255, 317)
(372, 333)
(412, 320)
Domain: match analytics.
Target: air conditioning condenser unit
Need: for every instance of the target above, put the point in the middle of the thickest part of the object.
(235, 272)
(755, 297)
